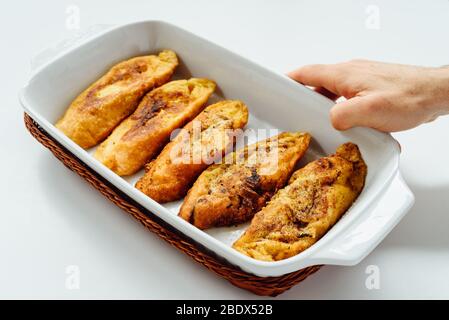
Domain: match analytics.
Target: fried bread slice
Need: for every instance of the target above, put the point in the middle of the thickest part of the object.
(201, 142)
(93, 115)
(142, 135)
(232, 192)
(301, 213)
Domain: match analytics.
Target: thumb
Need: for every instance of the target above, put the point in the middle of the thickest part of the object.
(354, 112)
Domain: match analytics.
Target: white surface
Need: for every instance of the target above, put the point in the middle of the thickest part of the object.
(51, 219)
(297, 108)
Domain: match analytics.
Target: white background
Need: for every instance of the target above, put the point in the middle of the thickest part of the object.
(50, 218)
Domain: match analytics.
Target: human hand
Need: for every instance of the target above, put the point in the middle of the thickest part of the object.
(384, 96)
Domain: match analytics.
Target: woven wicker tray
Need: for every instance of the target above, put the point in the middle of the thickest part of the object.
(264, 286)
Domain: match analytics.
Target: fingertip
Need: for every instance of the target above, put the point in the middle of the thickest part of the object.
(303, 73)
(295, 74)
(339, 119)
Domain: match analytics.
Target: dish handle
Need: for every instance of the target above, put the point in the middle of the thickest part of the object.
(74, 39)
(363, 236)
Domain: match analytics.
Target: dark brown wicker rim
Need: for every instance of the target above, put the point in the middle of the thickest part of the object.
(264, 286)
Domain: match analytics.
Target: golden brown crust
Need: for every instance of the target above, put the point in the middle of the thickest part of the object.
(143, 134)
(301, 213)
(230, 193)
(203, 140)
(99, 109)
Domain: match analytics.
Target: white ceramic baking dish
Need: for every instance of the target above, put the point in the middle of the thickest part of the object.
(274, 101)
